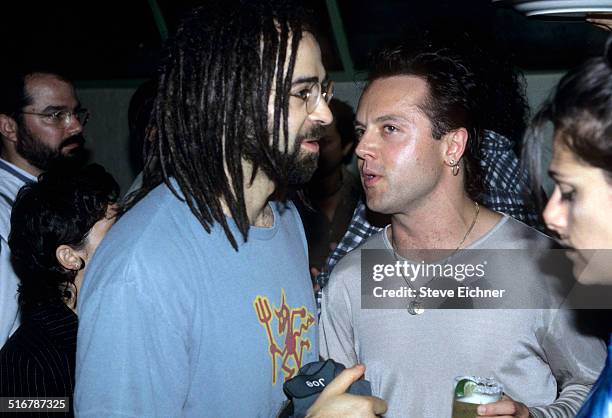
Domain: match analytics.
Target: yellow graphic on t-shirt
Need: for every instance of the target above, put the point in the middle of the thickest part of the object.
(291, 351)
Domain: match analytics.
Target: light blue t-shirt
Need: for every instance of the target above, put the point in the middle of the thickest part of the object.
(173, 322)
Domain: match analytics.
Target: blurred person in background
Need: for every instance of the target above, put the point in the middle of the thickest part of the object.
(141, 135)
(333, 192)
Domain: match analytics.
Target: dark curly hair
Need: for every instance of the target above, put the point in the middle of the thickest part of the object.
(59, 209)
(451, 102)
(580, 110)
(211, 108)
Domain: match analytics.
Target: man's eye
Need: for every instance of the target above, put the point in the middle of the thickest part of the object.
(55, 116)
(303, 94)
(390, 128)
(359, 132)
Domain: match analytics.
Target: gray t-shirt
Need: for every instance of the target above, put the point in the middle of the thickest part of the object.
(411, 361)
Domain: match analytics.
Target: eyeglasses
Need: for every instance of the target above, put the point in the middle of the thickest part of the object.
(62, 116)
(312, 95)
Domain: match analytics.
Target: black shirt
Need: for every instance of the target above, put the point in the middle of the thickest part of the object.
(38, 360)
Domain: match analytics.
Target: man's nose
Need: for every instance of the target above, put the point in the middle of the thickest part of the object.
(322, 113)
(366, 147)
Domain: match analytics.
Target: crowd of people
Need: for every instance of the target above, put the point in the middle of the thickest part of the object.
(193, 294)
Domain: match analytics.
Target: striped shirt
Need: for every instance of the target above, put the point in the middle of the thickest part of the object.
(12, 178)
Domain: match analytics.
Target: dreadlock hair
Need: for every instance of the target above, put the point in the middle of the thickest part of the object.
(451, 101)
(211, 108)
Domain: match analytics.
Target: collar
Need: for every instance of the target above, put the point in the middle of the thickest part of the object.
(17, 172)
(493, 141)
(58, 321)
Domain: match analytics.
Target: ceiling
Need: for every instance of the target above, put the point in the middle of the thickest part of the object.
(117, 41)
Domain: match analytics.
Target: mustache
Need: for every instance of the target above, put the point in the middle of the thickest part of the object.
(78, 139)
(316, 132)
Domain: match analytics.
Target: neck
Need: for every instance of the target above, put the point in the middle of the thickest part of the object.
(436, 224)
(256, 196)
(10, 154)
(72, 302)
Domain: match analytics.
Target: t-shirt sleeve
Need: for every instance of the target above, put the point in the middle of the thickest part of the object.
(575, 359)
(132, 360)
(336, 337)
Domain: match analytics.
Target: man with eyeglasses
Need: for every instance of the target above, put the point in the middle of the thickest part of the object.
(198, 303)
(40, 126)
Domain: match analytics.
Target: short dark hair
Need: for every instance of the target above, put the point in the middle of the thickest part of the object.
(59, 209)
(451, 101)
(580, 110)
(14, 96)
(211, 109)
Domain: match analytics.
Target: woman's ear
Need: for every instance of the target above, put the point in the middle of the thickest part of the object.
(69, 258)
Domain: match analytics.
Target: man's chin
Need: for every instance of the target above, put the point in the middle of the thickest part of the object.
(74, 155)
(304, 168)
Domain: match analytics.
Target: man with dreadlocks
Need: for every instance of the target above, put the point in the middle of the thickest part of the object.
(199, 302)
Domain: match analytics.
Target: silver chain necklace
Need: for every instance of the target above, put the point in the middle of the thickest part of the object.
(415, 307)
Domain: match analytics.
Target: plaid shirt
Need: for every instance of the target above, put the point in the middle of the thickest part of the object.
(506, 191)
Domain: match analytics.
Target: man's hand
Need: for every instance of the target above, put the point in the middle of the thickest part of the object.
(335, 402)
(505, 408)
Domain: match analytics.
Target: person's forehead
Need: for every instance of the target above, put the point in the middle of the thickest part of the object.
(308, 59)
(562, 155)
(564, 161)
(49, 90)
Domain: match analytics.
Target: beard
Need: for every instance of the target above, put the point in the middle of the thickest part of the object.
(304, 163)
(36, 152)
(287, 168)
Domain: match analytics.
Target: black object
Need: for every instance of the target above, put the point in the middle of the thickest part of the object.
(304, 389)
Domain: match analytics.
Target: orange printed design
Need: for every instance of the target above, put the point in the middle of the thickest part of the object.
(292, 323)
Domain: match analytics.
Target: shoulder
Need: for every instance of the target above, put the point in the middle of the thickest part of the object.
(287, 211)
(8, 191)
(147, 242)
(510, 233)
(149, 227)
(27, 349)
(348, 269)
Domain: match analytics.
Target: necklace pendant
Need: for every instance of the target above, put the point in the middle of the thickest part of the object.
(415, 308)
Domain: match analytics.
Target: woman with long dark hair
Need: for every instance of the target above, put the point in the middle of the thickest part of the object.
(579, 208)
